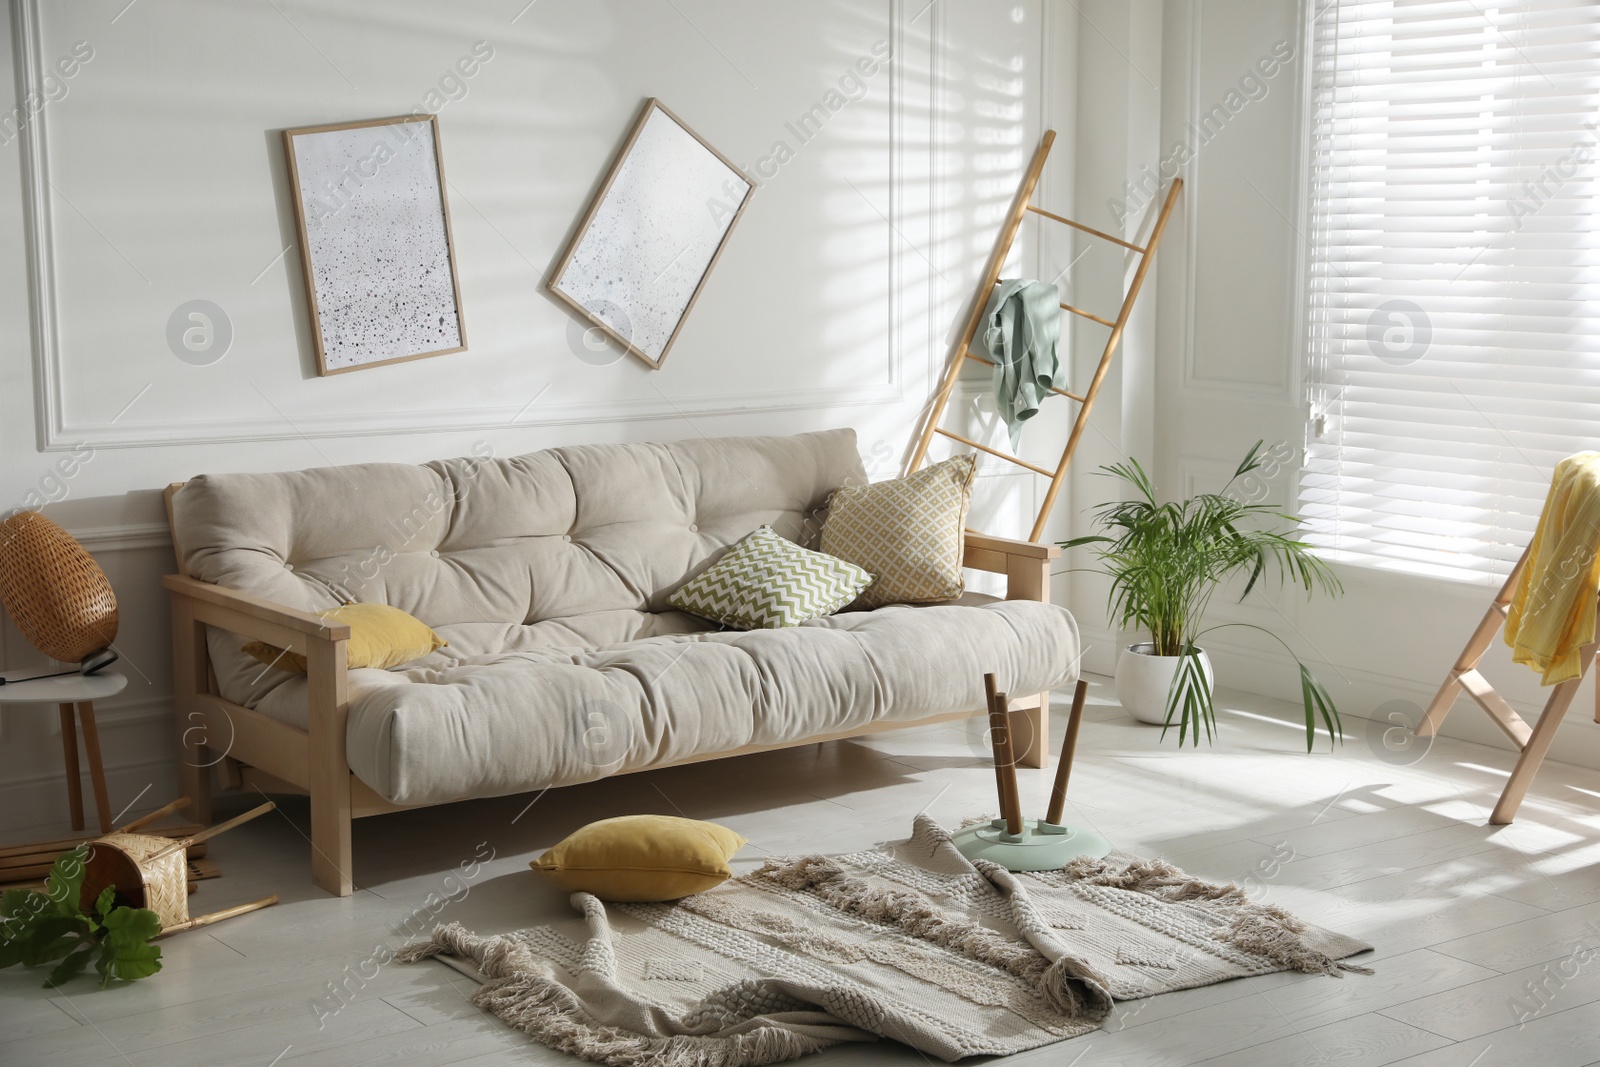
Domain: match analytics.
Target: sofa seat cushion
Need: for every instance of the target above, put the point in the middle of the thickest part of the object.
(516, 721)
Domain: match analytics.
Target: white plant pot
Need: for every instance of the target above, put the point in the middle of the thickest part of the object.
(1144, 680)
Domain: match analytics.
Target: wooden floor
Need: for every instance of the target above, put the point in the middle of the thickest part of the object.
(1484, 935)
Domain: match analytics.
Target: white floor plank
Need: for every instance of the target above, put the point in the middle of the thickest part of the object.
(1565, 1039)
(1507, 999)
(1313, 1003)
(1531, 941)
(1366, 1040)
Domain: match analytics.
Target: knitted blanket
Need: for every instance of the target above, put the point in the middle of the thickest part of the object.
(910, 942)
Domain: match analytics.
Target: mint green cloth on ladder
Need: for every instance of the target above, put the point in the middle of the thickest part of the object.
(1021, 329)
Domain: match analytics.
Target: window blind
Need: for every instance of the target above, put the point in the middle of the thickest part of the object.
(1453, 275)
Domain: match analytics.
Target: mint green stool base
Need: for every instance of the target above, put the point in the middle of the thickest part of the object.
(1042, 846)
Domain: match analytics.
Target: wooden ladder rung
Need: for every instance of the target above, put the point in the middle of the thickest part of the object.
(1089, 315)
(1086, 229)
(1079, 311)
(970, 354)
(993, 451)
(1503, 714)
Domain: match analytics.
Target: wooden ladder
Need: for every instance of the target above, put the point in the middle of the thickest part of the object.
(1020, 206)
(1533, 742)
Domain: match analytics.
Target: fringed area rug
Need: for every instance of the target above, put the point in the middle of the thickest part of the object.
(911, 943)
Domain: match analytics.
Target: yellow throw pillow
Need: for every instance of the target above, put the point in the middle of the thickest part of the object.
(380, 636)
(640, 858)
(910, 532)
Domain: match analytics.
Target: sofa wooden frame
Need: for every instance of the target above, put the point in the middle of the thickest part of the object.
(258, 751)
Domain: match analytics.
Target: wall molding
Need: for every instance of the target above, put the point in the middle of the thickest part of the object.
(110, 716)
(55, 432)
(378, 424)
(1193, 187)
(38, 236)
(131, 537)
(30, 798)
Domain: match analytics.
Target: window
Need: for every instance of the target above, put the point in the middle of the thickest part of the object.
(1453, 275)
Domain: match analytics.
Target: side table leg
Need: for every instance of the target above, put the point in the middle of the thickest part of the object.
(69, 749)
(97, 772)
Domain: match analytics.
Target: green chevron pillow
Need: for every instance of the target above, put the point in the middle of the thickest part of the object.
(766, 581)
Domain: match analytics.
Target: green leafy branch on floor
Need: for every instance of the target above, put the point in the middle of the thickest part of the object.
(39, 927)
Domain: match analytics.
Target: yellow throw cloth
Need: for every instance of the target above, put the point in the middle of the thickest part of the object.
(1552, 612)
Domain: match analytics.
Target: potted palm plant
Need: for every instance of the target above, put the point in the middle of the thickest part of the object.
(1165, 561)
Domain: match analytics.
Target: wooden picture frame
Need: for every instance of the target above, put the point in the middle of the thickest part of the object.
(667, 189)
(354, 195)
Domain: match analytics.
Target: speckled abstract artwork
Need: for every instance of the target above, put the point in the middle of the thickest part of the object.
(654, 234)
(377, 243)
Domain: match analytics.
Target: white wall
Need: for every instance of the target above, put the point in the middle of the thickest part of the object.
(159, 179)
(1228, 345)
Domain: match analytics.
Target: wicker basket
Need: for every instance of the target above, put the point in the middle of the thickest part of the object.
(147, 871)
(56, 593)
(153, 872)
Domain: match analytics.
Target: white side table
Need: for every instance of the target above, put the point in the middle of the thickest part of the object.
(79, 690)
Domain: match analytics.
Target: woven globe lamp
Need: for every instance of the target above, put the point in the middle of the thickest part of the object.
(56, 593)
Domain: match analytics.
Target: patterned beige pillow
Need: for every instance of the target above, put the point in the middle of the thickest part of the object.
(909, 532)
(767, 581)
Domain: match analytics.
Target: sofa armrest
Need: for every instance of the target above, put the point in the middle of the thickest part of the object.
(1025, 564)
(196, 605)
(253, 616)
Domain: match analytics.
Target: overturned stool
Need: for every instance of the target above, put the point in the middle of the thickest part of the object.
(1019, 844)
(153, 872)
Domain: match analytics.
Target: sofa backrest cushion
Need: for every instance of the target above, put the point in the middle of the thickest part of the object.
(548, 535)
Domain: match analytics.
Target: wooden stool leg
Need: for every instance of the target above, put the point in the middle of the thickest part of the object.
(1069, 749)
(218, 916)
(97, 772)
(996, 745)
(1006, 765)
(69, 750)
(1533, 753)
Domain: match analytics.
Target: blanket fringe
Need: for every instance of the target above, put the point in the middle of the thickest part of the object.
(1065, 992)
(548, 1012)
(1260, 929)
(1264, 935)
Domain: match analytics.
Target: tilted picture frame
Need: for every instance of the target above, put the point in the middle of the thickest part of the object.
(642, 252)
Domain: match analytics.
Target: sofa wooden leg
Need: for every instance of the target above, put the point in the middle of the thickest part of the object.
(326, 683)
(189, 679)
(1030, 732)
(332, 866)
(194, 781)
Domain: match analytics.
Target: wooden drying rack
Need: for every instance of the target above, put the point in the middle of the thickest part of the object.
(1020, 206)
(1532, 742)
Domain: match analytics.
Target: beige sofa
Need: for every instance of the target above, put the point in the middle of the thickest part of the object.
(549, 575)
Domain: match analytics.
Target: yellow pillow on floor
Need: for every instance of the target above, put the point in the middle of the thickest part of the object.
(380, 636)
(642, 858)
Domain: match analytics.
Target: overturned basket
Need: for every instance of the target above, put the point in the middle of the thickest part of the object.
(153, 872)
